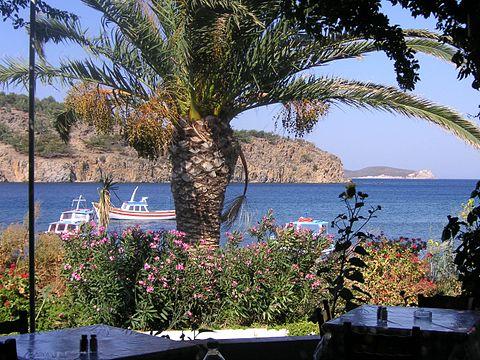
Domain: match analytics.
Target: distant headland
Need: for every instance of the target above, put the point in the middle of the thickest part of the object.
(385, 172)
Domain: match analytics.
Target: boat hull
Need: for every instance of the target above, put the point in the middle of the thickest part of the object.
(119, 214)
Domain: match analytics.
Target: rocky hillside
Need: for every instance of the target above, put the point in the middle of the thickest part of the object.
(270, 158)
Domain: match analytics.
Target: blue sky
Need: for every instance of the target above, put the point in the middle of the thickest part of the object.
(360, 138)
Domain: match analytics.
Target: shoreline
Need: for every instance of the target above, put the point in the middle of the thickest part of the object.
(253, 182)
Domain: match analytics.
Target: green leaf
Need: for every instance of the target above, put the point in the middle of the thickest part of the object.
(346, 294)
(355, 275)
(355, 261)
(360, 250)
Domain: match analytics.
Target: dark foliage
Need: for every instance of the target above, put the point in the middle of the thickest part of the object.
(459, 20)
(246, 136)
(10, 10)
(47, 106)
(344, 281)
(362, 18)
(467, 254)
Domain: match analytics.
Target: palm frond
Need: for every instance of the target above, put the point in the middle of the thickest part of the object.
(58, 30)
(15, 72)
(131, 20)
(387, 98)
(236, 207)
(64, 122)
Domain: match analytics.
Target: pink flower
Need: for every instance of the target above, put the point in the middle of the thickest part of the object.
(151, 277)
(146, 266)
(156, 258)
(76, 276)
(149, 289)
(111, 258)
(141, 282)
(316, 284)
(234, 284)
(189, 314)
(179, 267)
(67, 267)
(309, 276)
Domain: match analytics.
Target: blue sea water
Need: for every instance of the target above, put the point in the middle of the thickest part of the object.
(411, 208)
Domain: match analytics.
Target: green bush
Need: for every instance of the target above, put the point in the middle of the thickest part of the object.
(20, 102)
(301, 328)
(246, 136)
(105, 142)
(443, 270)
(50, 145)
(47, 144)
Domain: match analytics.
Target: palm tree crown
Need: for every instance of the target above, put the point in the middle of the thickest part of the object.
(159, 67)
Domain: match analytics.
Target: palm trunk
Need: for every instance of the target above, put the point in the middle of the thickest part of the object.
(203, 155)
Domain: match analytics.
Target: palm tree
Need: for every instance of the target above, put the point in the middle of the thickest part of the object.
(172, 74)
(104, 203)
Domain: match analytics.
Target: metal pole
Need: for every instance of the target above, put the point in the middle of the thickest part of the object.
(31, 167)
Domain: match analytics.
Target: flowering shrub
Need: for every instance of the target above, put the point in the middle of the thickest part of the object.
(13, 291)
(396, 272)
(52, 308)
(158, 280)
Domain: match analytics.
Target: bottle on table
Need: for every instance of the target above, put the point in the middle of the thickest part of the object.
(212, 351)
(93, 344)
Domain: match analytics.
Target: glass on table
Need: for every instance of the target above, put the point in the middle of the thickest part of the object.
(422, 316)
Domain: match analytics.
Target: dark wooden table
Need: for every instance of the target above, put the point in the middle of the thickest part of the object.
(113, 343)
(447, 328)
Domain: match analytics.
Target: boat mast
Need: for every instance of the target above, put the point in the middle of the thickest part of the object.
(133, 194)
(79, 201)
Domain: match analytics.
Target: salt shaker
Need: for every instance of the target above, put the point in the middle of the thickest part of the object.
(384, 314)
(83, 344)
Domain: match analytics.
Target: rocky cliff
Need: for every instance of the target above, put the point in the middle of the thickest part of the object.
(270, 158)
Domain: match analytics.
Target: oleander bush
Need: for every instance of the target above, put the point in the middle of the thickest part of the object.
(158, 280)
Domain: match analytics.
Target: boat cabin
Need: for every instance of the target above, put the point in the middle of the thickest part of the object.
(136, 206)
(58, 227)
(71, 220)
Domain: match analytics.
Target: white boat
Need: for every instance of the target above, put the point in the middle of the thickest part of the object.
(71, 220)
(136, 210)
(315, 226)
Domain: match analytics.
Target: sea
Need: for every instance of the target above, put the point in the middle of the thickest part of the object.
(410, 208)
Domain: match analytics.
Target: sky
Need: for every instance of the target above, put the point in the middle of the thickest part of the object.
(359, 137)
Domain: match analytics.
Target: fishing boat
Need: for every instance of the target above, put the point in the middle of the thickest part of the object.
(136, 210)
(70, 220)
(316, 226)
